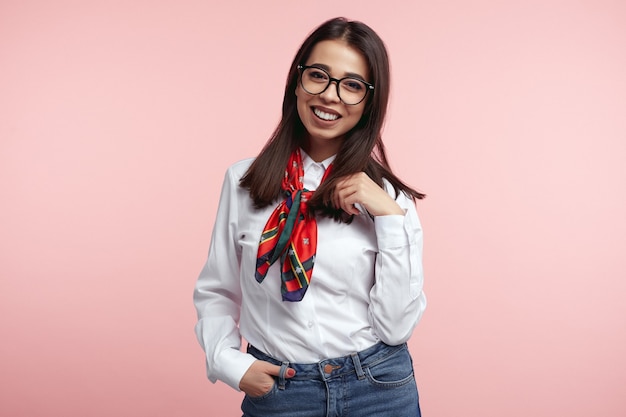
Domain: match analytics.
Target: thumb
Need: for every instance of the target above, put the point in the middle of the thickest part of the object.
(275, 370)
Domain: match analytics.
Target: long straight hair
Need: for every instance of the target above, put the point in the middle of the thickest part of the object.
(362, 149)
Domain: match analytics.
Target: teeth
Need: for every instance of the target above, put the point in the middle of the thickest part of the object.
(325, 116)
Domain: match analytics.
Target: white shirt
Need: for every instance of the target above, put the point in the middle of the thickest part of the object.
(366, 285)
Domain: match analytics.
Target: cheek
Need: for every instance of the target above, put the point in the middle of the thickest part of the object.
(300, 104)
(302, 95)
(356, 114)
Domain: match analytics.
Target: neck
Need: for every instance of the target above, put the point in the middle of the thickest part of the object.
(322, 149)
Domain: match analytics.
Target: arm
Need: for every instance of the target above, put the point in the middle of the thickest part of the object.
(218, 299)
(217, 295)
(397, 300)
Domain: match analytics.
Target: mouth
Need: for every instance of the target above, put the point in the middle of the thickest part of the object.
(326, 116)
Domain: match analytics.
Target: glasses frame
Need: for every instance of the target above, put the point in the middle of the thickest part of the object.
(369, 86)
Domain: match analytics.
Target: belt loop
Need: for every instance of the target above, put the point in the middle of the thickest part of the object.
(281, 376)
(357, 365)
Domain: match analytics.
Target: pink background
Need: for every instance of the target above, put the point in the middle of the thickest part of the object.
(118, 119)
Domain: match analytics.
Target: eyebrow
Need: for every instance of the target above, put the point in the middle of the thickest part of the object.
(347, 74)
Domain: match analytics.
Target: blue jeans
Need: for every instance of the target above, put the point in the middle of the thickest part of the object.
(378, 381)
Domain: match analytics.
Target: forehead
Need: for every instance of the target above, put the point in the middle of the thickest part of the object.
(339, 57)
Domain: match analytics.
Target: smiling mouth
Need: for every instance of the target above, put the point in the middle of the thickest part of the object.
(329, 117)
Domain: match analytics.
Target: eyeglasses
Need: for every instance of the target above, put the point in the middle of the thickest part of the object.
(350, 90)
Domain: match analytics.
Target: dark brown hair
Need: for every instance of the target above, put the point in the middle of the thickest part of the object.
(362, 148)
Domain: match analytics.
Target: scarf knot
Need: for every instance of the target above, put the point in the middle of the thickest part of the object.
(290, 235)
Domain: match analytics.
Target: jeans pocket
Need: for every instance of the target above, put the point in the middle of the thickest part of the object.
(394, 371)
(265, 396)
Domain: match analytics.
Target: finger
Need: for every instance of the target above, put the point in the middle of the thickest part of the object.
(349, 199)
(337, 192)
(348, 205)
(340, 197)
(274, 370)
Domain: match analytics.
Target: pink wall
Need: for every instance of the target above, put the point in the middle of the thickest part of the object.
(118, 119)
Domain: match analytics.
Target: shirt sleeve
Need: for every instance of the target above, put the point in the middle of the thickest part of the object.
(397, 299)
(217, 295)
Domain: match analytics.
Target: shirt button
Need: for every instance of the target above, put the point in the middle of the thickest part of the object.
(310, 324)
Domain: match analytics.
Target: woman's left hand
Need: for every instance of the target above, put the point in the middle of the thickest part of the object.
(360, 189)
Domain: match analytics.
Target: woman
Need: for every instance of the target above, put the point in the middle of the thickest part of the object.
(325, 286)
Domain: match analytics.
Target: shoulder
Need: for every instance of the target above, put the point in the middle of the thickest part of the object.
(238, 169)
(401, 197)
(387, 186)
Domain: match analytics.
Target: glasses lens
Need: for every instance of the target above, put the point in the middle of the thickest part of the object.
(351, 90)
(314, 80)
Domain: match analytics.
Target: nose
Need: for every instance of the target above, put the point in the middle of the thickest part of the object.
(331, 94)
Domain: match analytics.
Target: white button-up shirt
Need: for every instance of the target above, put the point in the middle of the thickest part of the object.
(366, 285)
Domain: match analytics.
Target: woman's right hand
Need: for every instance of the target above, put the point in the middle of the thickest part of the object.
(259, 378)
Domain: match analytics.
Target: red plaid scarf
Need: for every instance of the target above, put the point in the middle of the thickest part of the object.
(291, 235)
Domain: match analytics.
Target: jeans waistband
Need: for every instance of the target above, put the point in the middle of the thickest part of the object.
(354, 363)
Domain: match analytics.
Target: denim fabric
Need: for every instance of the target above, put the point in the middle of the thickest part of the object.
(378, 381)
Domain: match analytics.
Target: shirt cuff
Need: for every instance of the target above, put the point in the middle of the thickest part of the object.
(233, 364)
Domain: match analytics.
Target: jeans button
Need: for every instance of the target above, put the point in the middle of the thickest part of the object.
(328, 368)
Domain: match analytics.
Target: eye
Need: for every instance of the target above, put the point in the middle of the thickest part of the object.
(317, 75)
(353, 84)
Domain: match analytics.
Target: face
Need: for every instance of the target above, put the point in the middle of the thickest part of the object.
(326, 118)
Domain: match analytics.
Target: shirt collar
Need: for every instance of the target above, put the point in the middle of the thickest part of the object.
(307, 161)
